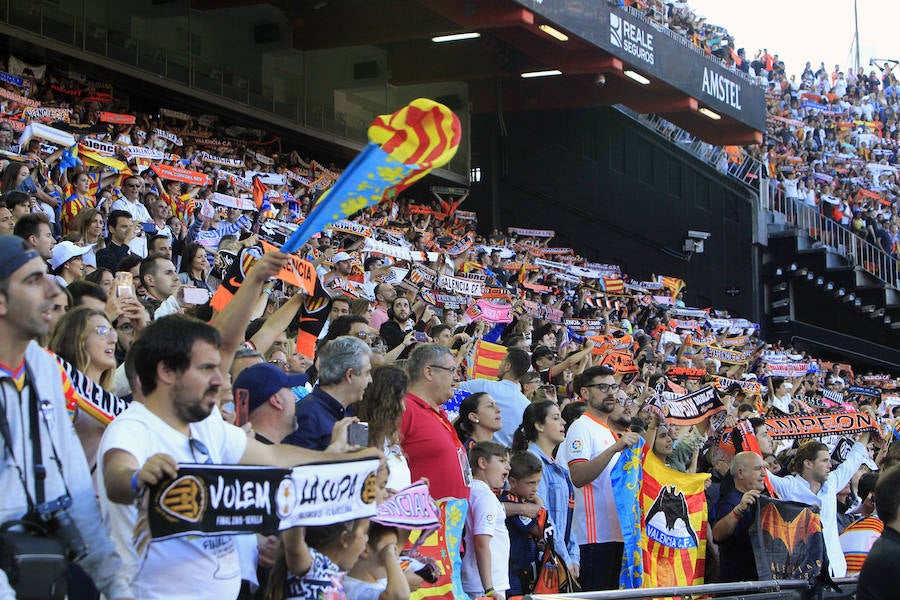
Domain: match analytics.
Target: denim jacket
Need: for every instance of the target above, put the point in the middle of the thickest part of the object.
(556, 490)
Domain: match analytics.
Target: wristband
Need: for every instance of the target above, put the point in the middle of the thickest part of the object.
(135, 484)
(489, 592)
(737, 513)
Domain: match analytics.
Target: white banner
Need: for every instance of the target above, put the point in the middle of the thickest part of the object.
(466, 287)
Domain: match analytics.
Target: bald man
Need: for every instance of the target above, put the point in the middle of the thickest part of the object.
(732, 530)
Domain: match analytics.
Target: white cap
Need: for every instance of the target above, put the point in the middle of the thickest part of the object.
(63, 252)
(340, 257)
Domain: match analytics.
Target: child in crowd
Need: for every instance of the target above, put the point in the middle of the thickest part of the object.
(525, 533)
(377, 575)
(312, 561)
(484, 565)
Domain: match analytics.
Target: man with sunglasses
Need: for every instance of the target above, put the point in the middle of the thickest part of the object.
(131, 200)
(591, 449)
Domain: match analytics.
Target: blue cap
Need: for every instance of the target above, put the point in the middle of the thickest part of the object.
(15, 252)
(263, 380)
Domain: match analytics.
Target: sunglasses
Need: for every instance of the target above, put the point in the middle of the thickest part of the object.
(106, 331)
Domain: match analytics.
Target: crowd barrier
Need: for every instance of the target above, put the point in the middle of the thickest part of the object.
(789, 589)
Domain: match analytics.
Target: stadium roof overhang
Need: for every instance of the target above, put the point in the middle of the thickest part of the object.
(610, 57)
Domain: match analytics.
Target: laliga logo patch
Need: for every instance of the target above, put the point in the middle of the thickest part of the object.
(285, 497)
(576, 445)
(184, 499)
(368, 489)
(615, 31)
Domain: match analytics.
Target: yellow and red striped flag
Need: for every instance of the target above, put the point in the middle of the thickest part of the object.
(673, 284)
(613, 285)
(673, 525)
(487, 360)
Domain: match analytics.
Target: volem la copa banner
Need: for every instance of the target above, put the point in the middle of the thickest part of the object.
(217, 499)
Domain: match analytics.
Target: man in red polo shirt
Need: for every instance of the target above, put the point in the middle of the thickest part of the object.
(426, 435)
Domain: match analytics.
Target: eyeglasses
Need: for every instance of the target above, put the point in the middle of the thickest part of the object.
(443, 368)
(105, 331)
(603, 387)
(198, 447)
(364, 335)
(135, 185)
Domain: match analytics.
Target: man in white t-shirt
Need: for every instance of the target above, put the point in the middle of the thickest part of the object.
(590, 450)
(177, 364)
(130, 201)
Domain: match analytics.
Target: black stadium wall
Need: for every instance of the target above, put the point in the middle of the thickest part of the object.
(619, 193)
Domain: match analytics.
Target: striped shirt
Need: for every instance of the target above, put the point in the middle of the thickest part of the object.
(857, 539)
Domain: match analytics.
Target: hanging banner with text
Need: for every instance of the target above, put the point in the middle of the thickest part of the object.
(217, 499)
(693, 408)
(815, 426)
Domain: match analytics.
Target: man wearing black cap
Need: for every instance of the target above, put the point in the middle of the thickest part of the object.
(271, 403)
(28, 376)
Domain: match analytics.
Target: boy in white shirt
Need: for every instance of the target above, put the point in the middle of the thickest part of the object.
(485, 568)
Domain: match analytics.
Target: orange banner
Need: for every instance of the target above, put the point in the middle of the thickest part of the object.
(116, 118)
(299, 272)
(179, 174)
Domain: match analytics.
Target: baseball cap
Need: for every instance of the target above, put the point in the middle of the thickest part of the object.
(263, 381)
(63, 252)
(15, 252)
(341, 257)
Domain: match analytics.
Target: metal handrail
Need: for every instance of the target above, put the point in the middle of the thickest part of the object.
(664, 29)
(834, 236)
(740, 587)
(745, 169)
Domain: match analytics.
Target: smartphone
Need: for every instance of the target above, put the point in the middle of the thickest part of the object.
(124, 281)
(241, 406)
(358, 434)
(195, 295)
(420, 336)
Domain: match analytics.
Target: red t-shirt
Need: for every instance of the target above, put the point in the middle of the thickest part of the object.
(432, 449)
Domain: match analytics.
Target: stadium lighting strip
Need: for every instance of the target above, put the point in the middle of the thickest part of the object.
(456, 37)
(533, 74)
(708, 113)
(637, 77)
(554, 33)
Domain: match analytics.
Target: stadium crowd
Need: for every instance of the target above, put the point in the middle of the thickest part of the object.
(503, 370)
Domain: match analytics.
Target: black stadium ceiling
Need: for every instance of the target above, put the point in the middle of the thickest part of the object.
(511, 43)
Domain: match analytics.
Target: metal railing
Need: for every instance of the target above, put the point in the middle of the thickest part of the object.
(832, 235)
(663, 28)
(738, 165)
(745, 589)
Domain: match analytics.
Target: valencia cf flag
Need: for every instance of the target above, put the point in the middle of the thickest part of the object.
(673, 525)
(312, 316)
(787, 540)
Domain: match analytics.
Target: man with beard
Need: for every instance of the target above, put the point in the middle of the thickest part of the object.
(177, 365)
(28, 375)
(395, 330)
(342, 267)
(591, 449)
